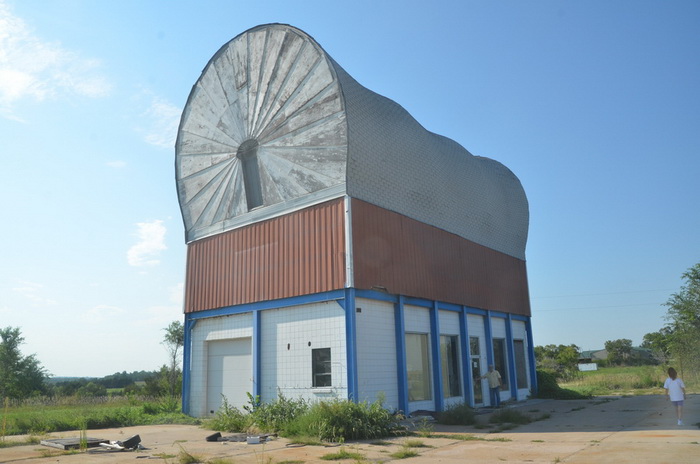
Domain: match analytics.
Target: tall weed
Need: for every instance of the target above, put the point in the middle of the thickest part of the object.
(275, 415)
(457, 414)
(341, 420)
(229, 419)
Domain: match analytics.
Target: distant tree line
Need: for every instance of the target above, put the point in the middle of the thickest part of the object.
(678, 342)
(24, 377)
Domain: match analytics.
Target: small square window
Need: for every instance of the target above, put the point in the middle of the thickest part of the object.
(321, 367)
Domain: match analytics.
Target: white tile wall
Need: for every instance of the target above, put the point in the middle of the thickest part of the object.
(416, 319)
(449, 322)
(376, 352)
(286, 354)
(498, 327)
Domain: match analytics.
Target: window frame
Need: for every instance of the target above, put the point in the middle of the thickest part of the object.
(450, 369)
(500, 361)
(321, 367)
(420, 387)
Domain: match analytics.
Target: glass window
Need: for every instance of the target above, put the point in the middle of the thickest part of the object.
(449, 352)
(520, 367)
(476, 369)
(418, 367)
(499, 360)
(321, 367)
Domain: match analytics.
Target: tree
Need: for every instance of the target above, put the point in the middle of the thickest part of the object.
(20, 376)
(561, 360)
(174, 341)
(659, 343)
(684, 321)
(619, 351)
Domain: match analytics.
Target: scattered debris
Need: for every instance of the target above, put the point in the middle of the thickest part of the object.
(240, 437)
(126, 445)
(77, 443)
(73, 443)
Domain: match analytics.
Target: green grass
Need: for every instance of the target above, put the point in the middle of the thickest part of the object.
(404, 453)
(342, 454)
(630, 380)
(414, 443)
(457, 414)
(76, 414)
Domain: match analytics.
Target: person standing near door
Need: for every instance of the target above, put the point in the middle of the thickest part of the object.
(495, 383)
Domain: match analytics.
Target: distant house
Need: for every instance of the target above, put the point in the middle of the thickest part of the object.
(336, 248)
(638, 354)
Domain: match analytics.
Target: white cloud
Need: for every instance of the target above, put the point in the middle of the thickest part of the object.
(35, 69)
(32, 291)
(163, 121)
(117, 164)
(151, 236)
(101, 313)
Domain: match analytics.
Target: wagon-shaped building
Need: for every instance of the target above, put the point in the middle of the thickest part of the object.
(336, 248)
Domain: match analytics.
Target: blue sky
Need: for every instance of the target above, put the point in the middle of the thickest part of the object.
(594, 105)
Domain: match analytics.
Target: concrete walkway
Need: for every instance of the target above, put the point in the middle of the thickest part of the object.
(639, 429)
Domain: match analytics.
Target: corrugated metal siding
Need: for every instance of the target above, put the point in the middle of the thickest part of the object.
(411, 258)
(296, 254)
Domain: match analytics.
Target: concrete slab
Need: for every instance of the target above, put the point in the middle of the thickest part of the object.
(630, 430)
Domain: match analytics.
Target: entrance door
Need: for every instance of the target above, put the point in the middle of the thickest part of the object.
(229, 372)
(475, 353)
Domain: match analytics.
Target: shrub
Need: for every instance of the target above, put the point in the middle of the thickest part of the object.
(342, 420)
(547, 387)
(164, 405)
(457, 414)
(229, 419)
(509, 416)
(274, 416)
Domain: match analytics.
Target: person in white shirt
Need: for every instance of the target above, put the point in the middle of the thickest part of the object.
(675, 391)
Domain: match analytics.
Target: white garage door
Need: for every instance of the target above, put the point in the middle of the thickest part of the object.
(229, 372)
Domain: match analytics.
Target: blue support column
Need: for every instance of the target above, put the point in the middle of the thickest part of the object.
(489, 338)
(257, 344)
(351, 343)
(437, 358)
(512, 373)
(531, 357)
(467, 381)
(187, 363)
(401, 371)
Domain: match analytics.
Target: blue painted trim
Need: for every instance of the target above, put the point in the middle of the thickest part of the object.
(187, 363)
(477, 311)
(449, 307)
(467, 394)
(510, 349)
(437, 357)
(272, 304)
(500, 314)
(408, 300)
(401, 369)
(257, 346)
(489, 339)
(376, 295)
(531, 356)
(518, 317)
(351, 343)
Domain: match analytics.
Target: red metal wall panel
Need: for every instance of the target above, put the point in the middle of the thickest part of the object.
(411, 258)
(296, 254)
